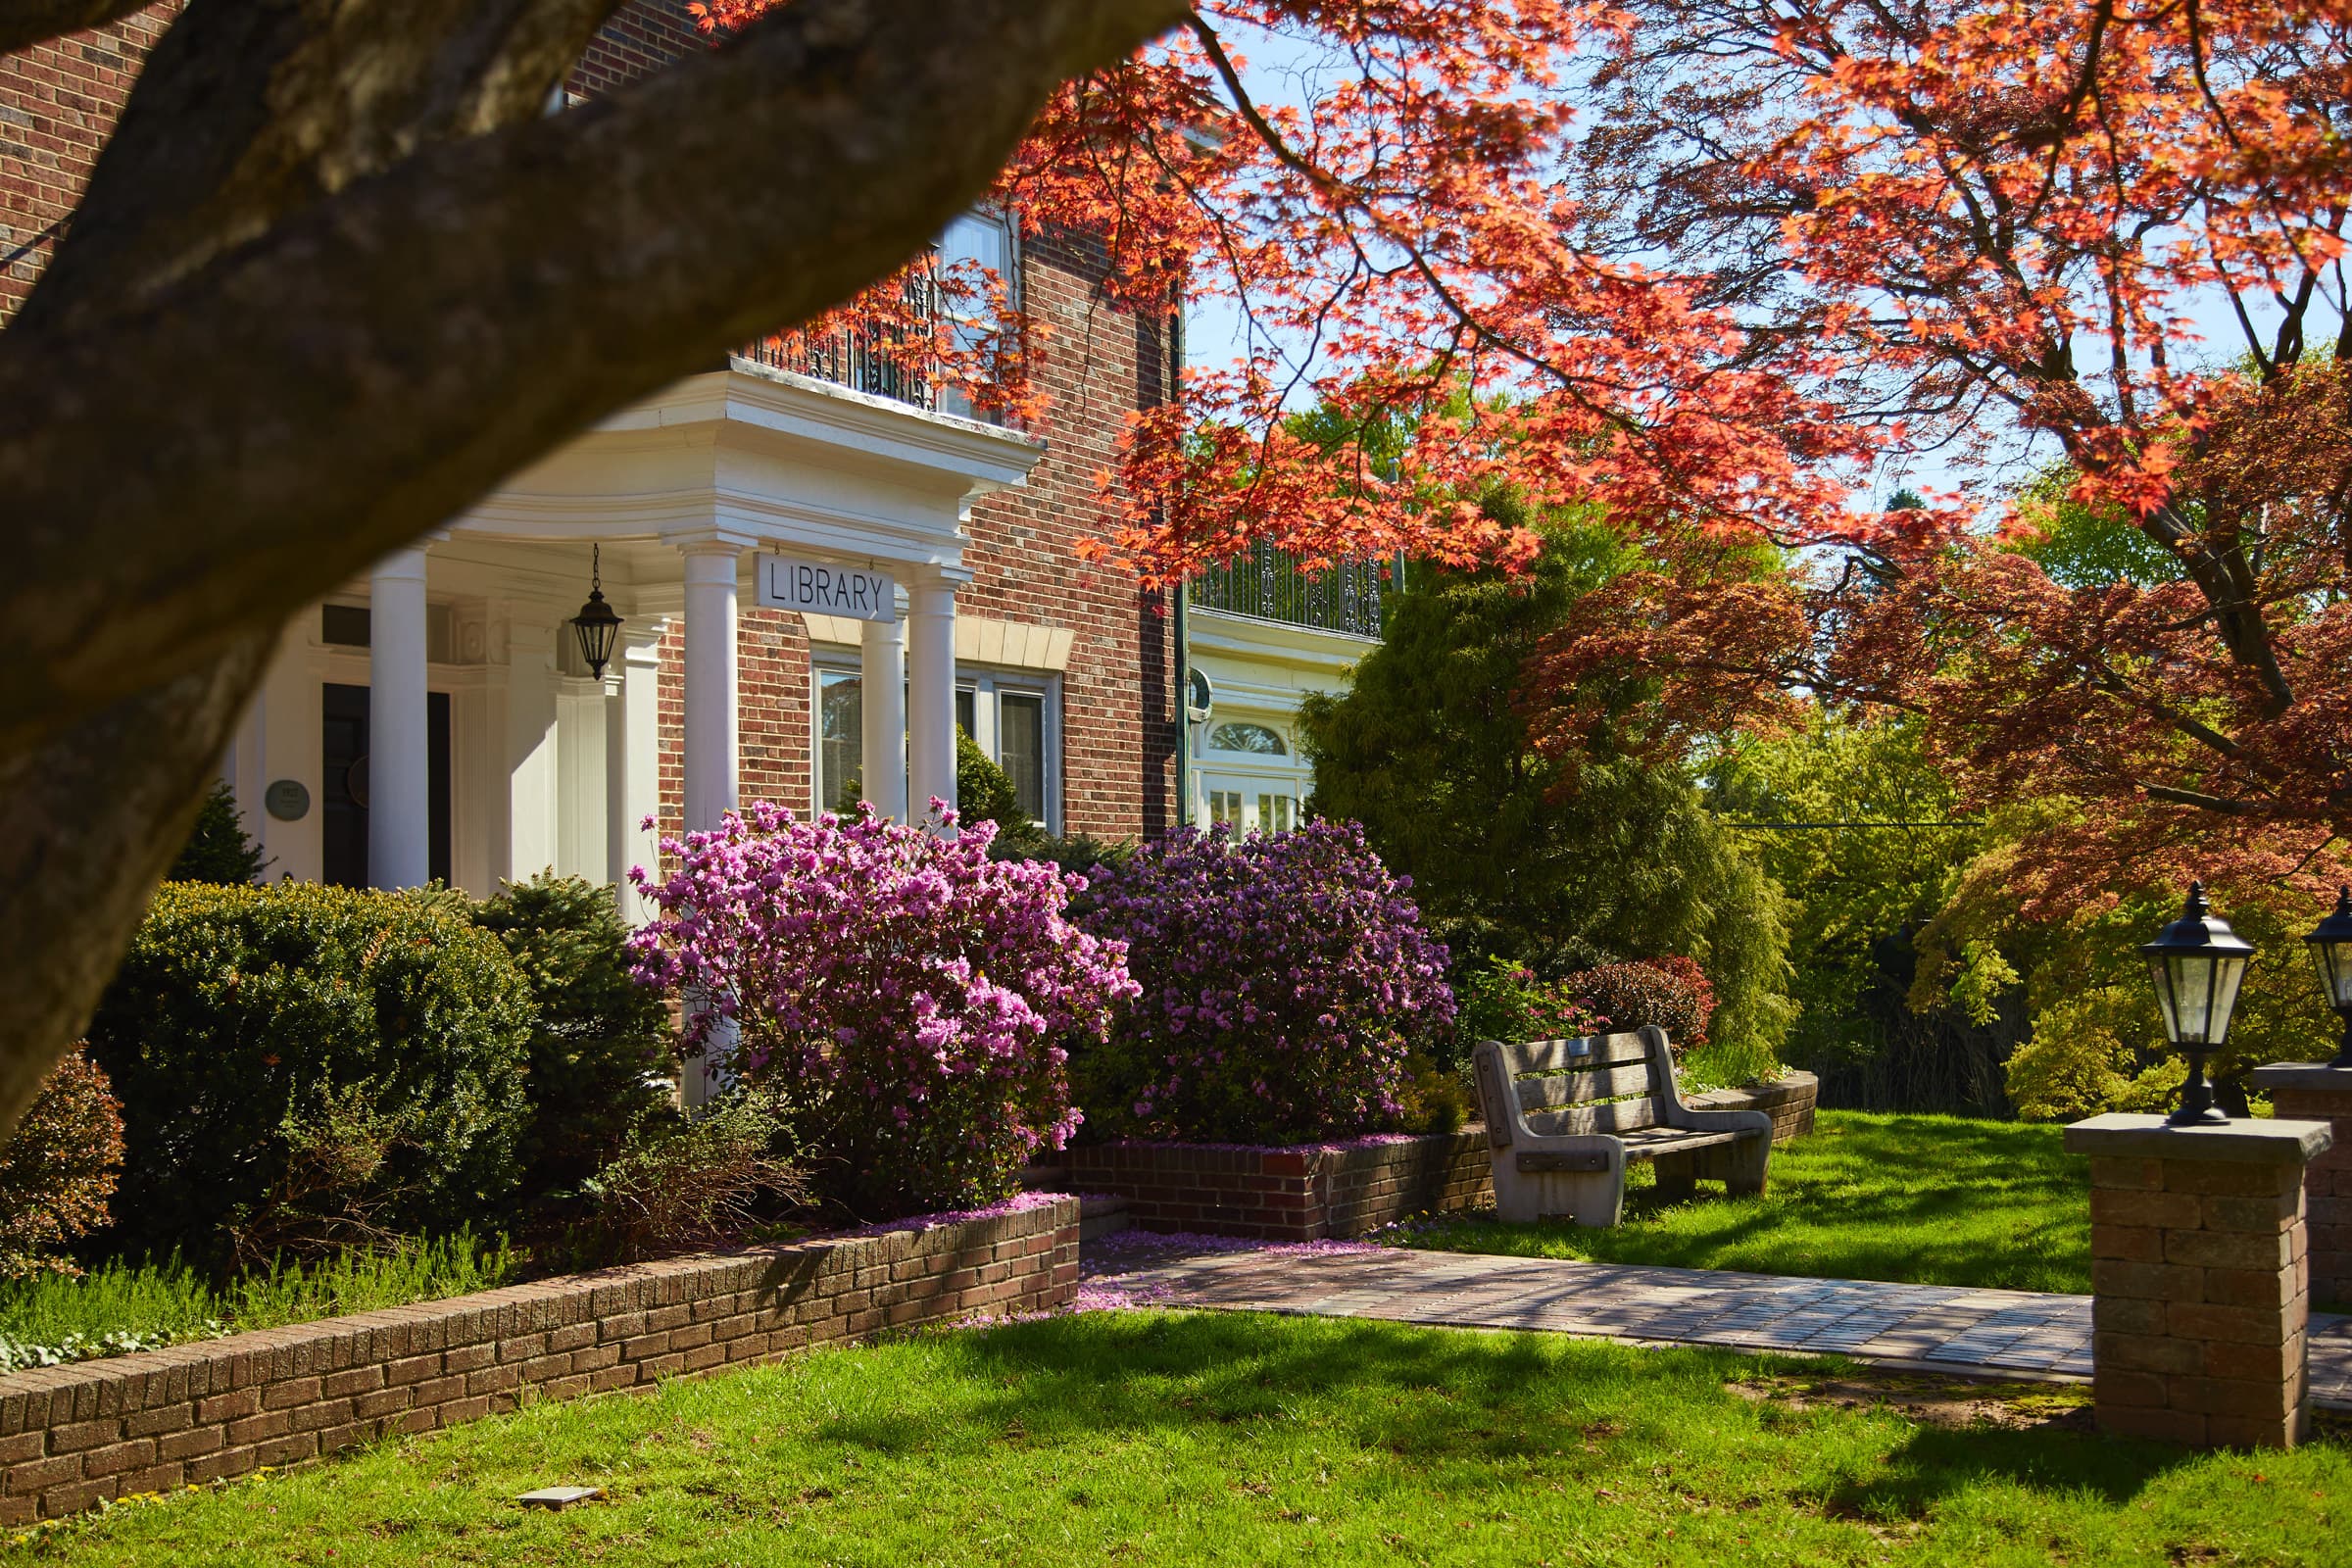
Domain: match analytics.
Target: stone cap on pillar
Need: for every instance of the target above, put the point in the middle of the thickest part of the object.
(2242, 1140)
(2302, 1075)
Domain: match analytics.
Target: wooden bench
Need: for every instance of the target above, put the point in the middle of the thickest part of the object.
(1565, 1116)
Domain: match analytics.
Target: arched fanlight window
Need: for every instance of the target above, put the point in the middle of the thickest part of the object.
(1255, 739)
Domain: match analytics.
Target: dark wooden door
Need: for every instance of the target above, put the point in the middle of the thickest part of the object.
(343, 800)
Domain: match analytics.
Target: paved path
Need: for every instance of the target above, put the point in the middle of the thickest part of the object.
(1930, 1327)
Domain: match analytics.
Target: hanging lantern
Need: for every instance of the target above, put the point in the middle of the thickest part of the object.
(596, 625)
(2198, 963)
(2332, 949)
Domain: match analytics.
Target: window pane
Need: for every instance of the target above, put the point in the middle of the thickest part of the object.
(966, 707)
(1253, 738)
(1021, 749)
(841, 748)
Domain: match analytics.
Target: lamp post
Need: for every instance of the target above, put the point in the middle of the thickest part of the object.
(2197, 962)
(2332, 949)
(597, 625)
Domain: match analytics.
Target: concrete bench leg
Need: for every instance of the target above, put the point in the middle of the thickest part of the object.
(1678, 1176)
(1746, 1165)
(1589, 1197)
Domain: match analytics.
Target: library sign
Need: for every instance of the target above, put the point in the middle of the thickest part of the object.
(820, 588)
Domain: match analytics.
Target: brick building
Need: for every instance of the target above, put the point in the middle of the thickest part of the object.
(879, 568)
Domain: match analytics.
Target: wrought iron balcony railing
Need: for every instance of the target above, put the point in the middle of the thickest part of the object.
(895, 361)
(1269, 584)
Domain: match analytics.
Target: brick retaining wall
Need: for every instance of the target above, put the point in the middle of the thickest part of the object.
(1789, 1100)
(72, 1436)
(1292, 1194)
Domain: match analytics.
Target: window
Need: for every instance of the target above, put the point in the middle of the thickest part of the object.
(1274, 813)
(1021, 748)
(967, 710)
(344, 626)
(1225, 806)
(978, 239)
(840, 739)
(1255, 739)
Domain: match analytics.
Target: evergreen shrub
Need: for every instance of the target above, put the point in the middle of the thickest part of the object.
(1285, 980)
(602, 1045)
(301, 1068)
(219, 850)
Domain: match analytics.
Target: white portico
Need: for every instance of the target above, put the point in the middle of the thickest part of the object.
(438, 718)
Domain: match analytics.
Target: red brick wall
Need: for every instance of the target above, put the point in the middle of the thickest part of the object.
(1282, 1194)
(71, 1437)
(1100, 365)
(58, 100)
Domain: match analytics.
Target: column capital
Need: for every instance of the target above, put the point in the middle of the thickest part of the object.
(936, 575)
(710, 540)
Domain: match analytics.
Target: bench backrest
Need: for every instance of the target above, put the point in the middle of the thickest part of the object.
(1599, 1083)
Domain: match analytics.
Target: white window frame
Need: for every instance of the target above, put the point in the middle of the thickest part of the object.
(823, 662)
(1012, 275)
(987, 685)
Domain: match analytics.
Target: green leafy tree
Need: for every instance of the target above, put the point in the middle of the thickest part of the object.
(1430, 751)
(1854, 821)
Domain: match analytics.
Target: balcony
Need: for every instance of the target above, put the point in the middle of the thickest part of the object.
(896, 361)
(1269, 584)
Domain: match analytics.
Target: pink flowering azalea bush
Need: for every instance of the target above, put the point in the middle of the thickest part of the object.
(1286, 978)
(911, 1001)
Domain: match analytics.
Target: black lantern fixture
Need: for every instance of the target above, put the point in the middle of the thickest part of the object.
(2332, 949)
(596, 625)
(2198, 963)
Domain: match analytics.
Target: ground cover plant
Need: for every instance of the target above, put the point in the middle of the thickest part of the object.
(1145, 1438)
(117, 1307)
(1920, 1200)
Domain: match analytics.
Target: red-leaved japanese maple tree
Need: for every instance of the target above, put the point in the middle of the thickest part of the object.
(1704, 262)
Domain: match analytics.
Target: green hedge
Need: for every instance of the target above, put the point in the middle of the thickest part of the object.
(305, 1067)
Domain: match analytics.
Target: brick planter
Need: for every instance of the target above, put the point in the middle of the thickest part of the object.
(1789, 1100)
(1292, 1194)
(2309, 1092)
(72, 1436)
(2200, 1299)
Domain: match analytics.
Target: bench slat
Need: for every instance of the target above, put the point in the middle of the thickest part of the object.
(1673, 1139)
(1619, 1116)
(1575, 1088)
(1594, 1050)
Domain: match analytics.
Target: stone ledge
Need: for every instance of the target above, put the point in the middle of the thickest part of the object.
(2253, 1142)
(2302, 1075)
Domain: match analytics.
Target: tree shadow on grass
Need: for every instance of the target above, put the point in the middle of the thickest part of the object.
(1432, 1399)
(1923, 1199)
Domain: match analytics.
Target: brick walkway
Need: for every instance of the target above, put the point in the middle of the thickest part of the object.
(1929, 1326)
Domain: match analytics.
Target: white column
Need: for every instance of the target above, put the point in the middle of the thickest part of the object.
(711, 743)
(930, 692)
(583, 774)
(635, 746)
(882, 671)
(399, 766)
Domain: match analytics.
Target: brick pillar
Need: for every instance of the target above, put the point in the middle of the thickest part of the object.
(2199, 1281)
(2307, 1092)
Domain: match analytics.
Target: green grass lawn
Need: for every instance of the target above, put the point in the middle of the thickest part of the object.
(1150, 1438)
(1923, 1200)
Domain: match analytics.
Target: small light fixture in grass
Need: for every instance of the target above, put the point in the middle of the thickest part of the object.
(2332, 949)
(2197, 962)
(560, 1498)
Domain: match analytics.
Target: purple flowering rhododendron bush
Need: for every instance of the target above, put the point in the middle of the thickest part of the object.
(1286, 978)
(913, 1000)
